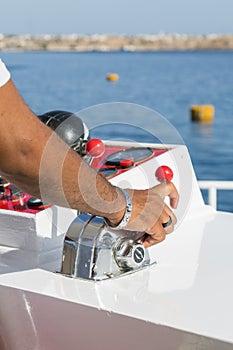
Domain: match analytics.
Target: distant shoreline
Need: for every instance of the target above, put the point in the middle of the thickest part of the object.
(109, 43)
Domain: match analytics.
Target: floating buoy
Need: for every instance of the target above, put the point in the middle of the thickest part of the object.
(112, 77)
(202, 113)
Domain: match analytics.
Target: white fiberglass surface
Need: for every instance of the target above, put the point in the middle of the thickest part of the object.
(190, 287)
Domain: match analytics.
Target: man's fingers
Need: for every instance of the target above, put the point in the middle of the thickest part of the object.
(163, 226)
(170, 213)
(157, 236)
(155, 217)
(168, 189)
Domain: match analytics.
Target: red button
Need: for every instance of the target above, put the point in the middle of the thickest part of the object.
(164, 173)
(126, 163)
(95, 148)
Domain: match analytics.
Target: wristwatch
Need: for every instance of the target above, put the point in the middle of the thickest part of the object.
(128, 212)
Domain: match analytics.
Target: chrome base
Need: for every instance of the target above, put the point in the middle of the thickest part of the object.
(95, 252)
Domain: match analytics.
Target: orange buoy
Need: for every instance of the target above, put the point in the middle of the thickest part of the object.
(202, 113)
(112, 77)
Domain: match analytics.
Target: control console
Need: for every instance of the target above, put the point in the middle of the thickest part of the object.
(91, 249)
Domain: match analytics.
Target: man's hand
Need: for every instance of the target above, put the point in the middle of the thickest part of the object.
(150, 214)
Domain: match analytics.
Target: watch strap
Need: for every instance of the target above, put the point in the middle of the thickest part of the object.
(128, 212)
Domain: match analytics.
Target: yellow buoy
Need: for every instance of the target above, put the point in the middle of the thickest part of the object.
(202, 113)
(112, 77)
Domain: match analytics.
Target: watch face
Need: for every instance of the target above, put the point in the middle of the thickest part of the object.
(128, 157)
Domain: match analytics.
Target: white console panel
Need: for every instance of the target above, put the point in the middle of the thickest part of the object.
(184, 302)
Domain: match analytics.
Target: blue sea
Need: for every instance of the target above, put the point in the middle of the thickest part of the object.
(168, 82)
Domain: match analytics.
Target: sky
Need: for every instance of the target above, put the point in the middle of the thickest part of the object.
(129, 17)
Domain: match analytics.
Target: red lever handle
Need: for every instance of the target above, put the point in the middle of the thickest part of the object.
(95, 148)
(164, 173)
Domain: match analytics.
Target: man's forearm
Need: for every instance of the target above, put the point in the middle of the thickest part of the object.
(48, 168)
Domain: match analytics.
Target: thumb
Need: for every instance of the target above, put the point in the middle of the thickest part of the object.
(168, 189)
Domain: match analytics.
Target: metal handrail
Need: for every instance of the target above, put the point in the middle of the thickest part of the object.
(213, 187)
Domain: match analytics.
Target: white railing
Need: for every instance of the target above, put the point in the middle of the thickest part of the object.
(213, 187)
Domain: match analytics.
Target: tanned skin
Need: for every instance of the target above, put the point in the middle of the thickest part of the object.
(36, 160)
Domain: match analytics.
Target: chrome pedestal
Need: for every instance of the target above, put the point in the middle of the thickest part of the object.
(93, 251)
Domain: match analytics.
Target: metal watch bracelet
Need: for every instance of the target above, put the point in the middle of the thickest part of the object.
(128, 212)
